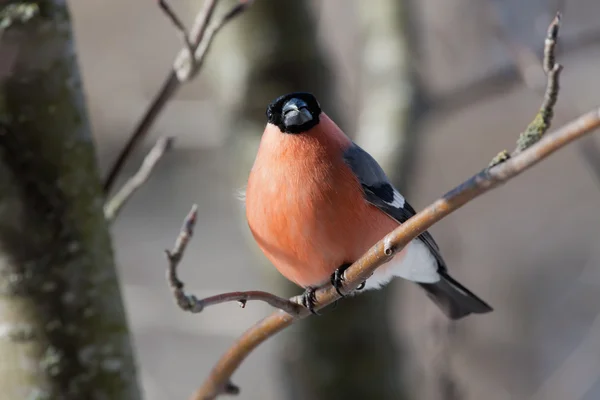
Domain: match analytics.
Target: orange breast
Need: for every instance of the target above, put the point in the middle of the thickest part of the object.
(305, 207)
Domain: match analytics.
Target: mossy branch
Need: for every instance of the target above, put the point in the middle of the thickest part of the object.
(543, 119)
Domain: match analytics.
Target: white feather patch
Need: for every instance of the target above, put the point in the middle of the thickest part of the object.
(417, 265)
(240, 194)
(398, 201)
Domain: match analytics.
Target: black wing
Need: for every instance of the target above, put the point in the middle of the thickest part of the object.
(379, 191)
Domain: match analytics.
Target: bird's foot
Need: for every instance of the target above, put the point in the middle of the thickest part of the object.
(337, 279)
(309, 299)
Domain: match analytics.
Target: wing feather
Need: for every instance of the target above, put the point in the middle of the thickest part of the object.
(379, 192)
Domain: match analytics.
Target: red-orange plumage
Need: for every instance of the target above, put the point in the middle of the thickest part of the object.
(305, 207)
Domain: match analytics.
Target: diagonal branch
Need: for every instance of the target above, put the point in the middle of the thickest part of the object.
(385, 249)
(194, 305)
(196, 42)
(115, 205)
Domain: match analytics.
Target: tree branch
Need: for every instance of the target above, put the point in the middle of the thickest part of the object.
(194, 305)
(385, 249)
(526, 155)
(541, 123)
(114, 206)
(185, 68)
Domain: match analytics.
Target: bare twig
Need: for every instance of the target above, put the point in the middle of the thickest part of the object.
(189, 303)
(184, 69)
(115, 205)
(166, 8)
(194, 305)
(540, 147)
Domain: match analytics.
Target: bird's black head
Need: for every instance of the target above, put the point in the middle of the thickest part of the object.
(294, 112)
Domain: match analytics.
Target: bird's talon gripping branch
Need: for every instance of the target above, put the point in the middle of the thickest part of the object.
(231, 388)
(337, 279)
(361, 286)
(309, 299)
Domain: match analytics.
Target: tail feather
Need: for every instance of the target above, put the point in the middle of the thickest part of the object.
(455, 300)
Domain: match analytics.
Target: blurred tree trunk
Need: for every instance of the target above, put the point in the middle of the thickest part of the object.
(388, 128)
(63, 333)
(350, 352)
(392, 105)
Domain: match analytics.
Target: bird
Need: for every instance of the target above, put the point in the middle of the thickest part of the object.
(316, 202)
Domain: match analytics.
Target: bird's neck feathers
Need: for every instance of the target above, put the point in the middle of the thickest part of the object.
(326, 138)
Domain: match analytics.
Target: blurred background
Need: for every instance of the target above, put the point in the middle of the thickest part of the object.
(433, 89)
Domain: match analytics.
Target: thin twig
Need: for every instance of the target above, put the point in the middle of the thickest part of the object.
(194, 305)
(541, 123)
(183, 67)
(550, 44)
(184, 301)
(166, 8)
(187, 70)
(543, 119)
(115, 205)
(185, 61)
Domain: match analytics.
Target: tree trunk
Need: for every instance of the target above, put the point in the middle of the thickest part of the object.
(63, 332)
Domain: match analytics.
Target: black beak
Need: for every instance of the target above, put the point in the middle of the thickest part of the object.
(295, 113)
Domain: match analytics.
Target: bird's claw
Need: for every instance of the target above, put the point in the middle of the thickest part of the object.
(309, 300)
(337, 280)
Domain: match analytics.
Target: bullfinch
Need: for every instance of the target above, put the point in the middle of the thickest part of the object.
(316, 202)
